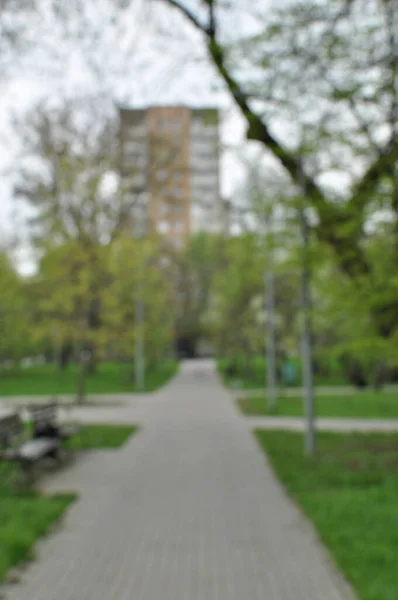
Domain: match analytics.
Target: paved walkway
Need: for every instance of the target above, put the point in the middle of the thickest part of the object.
(343, 425)
(338, 390)
(187, 510)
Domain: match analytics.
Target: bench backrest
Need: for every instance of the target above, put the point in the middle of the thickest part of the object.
(11, 429)
(43, 414)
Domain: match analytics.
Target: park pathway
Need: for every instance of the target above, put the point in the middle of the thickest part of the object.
(187, 510)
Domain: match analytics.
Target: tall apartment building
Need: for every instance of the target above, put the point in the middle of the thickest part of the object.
(169, 161)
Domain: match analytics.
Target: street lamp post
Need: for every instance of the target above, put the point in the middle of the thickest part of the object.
(271, 362)
(306, 340)
(270, 323)
(139, 316)
(139, 360)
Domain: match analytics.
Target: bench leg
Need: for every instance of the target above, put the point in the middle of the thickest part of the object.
(67, 454)
(55, 454)
(60, 454)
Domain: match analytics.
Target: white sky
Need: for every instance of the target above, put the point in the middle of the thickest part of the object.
(140, 59)
(137, 68)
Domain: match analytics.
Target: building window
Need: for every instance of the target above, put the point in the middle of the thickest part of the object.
(161, 174)
(172, 124)
(163, 226)
(176, 192)
(177, 243)
(179, 227)
(177, 208)
(164, 209)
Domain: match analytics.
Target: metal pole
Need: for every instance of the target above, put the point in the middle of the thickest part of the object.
(270, 317)
(306, 306)
(139, 362)
(309, 410)
(139, 318)
(270, 340)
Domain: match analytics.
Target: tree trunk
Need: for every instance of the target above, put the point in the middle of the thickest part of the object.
(65, 356)
(92, 363)
(380, 376)
(81, 382)
(82, 357)
(355, 373)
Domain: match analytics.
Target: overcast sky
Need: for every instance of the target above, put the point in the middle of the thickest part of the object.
(134, 61)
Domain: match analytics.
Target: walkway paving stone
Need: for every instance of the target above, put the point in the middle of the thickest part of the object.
(187, 510)
(342, 425)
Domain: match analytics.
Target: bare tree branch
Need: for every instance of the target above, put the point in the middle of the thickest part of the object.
(374, 174)
(332, 219)
(188, 14)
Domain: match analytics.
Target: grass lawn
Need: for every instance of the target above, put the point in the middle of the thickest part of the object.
(23, 519)
(350, 493)
(250, 374)
(26, 516)
(94, 437)
(381, 405)
(110, 378)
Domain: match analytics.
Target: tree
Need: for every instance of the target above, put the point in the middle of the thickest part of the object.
(345, 331)
(16, 17)
(69, 176)
(14, 343)
(135, 266)
(68, 293)
(236, 311)
(195, 271)
(315, 51)
(68, 173)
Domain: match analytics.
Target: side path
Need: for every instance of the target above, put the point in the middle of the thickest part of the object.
(188, 510)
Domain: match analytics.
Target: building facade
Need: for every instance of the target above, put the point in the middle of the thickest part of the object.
(170, 170)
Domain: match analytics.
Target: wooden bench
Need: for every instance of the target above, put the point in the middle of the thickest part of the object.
(14, 447)
(45, 423)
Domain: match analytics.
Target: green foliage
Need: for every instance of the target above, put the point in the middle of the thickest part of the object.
(135, 272)
(70, 280)
(13, 313)
(236, 313)
(196, 270)
(345, 310)
(349, 492)
(335, 60)
(250, 372)
(91, 271)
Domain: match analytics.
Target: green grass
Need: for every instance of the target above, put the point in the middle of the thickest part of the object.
(110, 378)
(350, 493)
(25, 516)
(376, 405)
(250, 373)
(23, 519)
(101, 436)
(96, 437)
